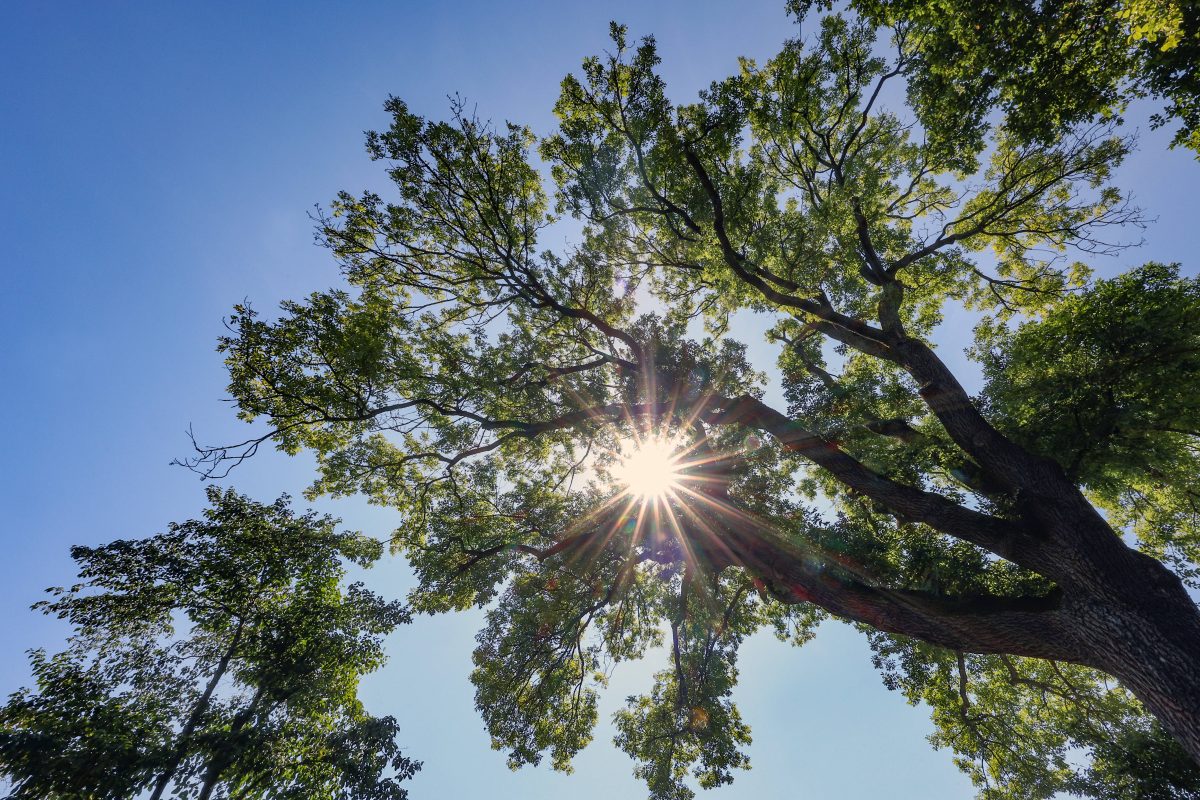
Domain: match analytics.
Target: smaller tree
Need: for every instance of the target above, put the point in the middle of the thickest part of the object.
(219, 659)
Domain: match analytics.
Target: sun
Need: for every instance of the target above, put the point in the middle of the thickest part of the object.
(649, 468)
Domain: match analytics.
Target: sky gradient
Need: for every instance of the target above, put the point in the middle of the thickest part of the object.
(158, 163)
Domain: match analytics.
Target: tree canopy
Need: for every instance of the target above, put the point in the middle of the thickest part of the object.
(1048, 65)
(489, 387)
(218, 659)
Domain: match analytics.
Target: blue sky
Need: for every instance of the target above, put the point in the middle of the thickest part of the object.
(157, 164)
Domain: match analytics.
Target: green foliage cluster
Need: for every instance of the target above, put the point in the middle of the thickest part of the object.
(1022, 727)
(1106, 384)
(1048, 65)
(219, 659)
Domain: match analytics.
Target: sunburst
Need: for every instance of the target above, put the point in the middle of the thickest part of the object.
(649, 468)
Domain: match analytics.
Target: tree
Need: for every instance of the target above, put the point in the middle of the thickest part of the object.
(258, 699)
(1047, 64)
(493, 390)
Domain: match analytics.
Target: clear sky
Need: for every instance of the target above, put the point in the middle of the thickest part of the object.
(157, 164)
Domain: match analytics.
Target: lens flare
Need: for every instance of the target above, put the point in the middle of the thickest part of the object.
(649, 468)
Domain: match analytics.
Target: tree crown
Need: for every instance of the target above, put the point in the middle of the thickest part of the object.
(485, 386)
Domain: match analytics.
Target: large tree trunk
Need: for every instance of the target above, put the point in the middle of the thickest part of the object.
(1131, 616)
(1119, 610)
(1116, 609)
(1151, 643)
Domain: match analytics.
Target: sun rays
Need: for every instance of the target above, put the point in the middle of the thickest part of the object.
(649, 469)
(671, 494)
(663, 482)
